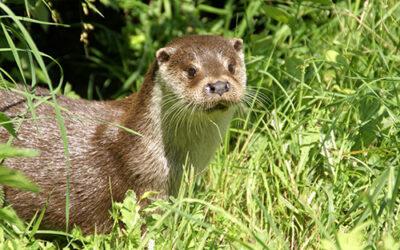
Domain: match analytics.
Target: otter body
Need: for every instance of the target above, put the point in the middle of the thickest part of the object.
(182, 112)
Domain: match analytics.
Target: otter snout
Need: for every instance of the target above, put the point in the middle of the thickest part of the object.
(217, 88)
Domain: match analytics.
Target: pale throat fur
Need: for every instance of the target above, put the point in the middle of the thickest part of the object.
(194, 118)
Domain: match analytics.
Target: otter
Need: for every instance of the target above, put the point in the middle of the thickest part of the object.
(181, 113)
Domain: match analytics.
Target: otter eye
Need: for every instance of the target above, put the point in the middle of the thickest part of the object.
(231, 68)
(191, 72)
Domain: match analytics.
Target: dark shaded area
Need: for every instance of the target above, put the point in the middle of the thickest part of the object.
(98, 68)
(63, 43)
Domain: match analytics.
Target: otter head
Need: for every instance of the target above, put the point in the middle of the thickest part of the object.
(204, 72)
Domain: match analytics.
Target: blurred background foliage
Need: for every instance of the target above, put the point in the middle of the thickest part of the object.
(106, 46)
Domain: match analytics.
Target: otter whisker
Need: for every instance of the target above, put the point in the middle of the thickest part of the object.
(182, 117)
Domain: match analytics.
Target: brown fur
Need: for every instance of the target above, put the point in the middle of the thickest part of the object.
(101, 153)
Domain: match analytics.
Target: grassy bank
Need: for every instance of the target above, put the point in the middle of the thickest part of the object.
(313, 163)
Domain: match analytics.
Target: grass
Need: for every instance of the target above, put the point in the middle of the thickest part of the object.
(315, 161)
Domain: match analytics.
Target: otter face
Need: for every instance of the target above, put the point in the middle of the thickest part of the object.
(206, 72)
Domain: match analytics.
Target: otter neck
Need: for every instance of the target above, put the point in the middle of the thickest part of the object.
(186, 136)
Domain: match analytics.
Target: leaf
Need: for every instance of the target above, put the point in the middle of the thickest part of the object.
(68, 92)
(5, 121)
(130, 210)
(277, 14)
(335, 57)
(389, 242)
(309, 140)
(9, 215)
(147, 194)
(15, 179)
(35, 226)
(11, 177)
(131, 217)
(331, 56)
(320, 1)
(293, 66)
(9, 151)
(352, 240)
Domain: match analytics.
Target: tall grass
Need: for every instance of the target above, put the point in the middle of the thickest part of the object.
(314, 163)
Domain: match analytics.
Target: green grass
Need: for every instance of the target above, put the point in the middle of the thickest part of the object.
(314, 163)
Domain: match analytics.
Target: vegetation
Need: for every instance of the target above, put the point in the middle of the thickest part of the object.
(314, 163)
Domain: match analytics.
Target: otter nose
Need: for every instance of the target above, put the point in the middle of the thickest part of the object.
(218, 88)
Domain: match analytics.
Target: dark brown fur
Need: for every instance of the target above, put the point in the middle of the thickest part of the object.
(101, 153)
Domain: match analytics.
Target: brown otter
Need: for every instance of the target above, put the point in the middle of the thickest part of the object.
(181, 112)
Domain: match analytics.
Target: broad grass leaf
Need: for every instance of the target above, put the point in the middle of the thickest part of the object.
(9, 215)
(277, 14)
(309, 140)
(320, 1)
(7, 125)
(15, 179)
(9, 151)
(147, 194)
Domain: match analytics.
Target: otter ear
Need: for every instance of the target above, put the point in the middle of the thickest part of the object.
(163, 55)
(237, 44)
